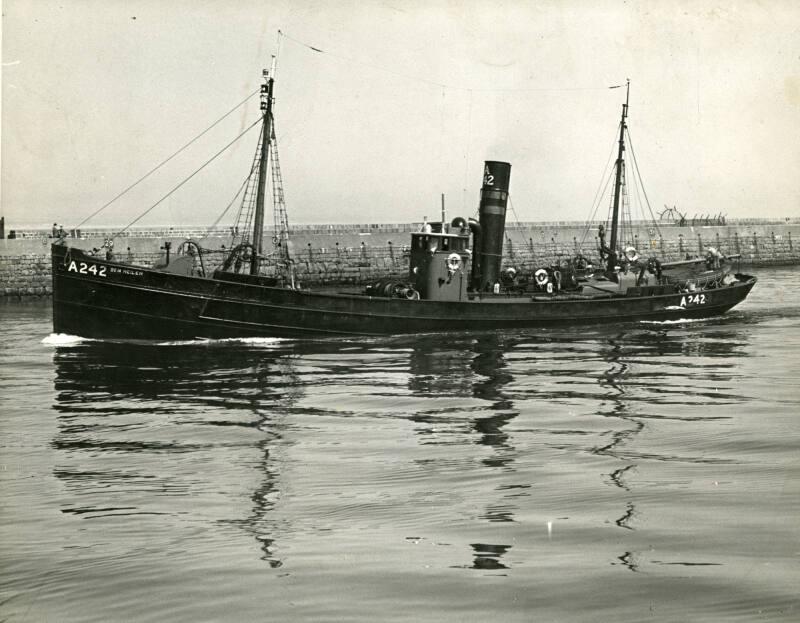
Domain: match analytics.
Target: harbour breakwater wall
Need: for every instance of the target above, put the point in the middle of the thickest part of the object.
(362, 252)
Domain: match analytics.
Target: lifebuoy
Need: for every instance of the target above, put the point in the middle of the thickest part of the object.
(631, 254)
(453, 262)
(541, 277)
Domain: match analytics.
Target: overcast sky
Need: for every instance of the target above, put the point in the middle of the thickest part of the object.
(404, 102)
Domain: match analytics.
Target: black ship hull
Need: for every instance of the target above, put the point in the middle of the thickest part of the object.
(102, 299)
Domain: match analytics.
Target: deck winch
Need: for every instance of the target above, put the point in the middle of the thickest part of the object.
(393, 289)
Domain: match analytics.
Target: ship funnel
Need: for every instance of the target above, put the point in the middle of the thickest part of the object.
(492, 214)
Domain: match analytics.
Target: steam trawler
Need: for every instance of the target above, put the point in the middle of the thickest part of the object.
(456, 279)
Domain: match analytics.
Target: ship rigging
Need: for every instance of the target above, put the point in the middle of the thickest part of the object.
(457, 278)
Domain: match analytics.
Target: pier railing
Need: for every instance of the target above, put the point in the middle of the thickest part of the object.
(358, 264)
(319, 229)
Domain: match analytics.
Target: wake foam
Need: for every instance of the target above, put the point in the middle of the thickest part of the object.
(678, 321)
(250, 341)
(64, 339)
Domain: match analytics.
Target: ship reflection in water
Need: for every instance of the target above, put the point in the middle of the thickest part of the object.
(108, 391)
(511, 455)
(142, 426)
(648, 471)
(113, 397)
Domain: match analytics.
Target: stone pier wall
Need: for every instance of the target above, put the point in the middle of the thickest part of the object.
(359, 253)
(25, 274)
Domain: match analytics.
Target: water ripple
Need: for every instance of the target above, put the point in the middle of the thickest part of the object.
(633, 472)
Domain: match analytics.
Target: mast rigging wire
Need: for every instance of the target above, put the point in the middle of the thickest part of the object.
(442, 85)
(516, 220)
(597, 206)
(162, 163)
(232, 201)
(203, 166)
(641, 183)
(601, 189)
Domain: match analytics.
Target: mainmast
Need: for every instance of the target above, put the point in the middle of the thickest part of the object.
(620, 166)
(266, 135)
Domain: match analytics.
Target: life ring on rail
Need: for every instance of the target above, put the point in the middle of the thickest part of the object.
(541, 277)
(631, 254)
(453, 262)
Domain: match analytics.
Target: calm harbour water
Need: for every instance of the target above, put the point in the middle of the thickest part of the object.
(626, 473)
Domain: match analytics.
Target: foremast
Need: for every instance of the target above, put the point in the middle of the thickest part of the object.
(613, 243)
(266, 136)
